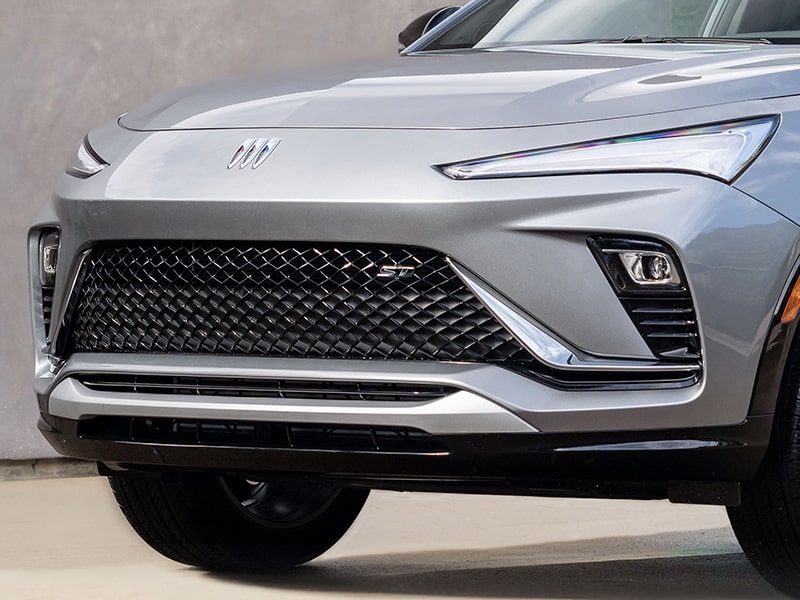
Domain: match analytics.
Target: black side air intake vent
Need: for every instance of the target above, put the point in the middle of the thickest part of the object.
(652, 286)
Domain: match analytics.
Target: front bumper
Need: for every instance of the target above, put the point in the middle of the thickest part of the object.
(700, 466)
(477, 439)
(525, 238)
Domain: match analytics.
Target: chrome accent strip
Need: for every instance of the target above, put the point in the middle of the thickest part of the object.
(545, 408)
(674, 279)
(250, 155)
(58, 323)
(243, 149)
(546, 348)
(49, 260)
(646, 446)
(266, 151)
(459, 413)
(255, 151)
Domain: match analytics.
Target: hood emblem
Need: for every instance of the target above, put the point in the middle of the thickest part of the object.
(255, 151)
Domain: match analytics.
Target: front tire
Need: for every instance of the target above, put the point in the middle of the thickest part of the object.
(236, 524)
(767, 524)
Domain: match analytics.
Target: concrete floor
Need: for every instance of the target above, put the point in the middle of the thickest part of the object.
(64, 539)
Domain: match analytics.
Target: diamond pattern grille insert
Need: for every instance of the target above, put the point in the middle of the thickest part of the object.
(316, 301)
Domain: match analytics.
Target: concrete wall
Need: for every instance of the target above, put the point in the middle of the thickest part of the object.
(68, 65)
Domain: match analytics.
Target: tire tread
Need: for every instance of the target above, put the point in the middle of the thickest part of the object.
(767, 524)
(189, 519)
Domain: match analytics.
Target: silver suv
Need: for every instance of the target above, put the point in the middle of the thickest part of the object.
(551, 249)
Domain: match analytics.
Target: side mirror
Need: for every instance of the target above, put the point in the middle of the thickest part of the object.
(422, 25)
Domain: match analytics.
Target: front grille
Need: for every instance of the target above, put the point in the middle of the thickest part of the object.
(282, 389)
(249, 434)
(315, 301)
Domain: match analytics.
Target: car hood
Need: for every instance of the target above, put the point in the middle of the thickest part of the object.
(484, 89)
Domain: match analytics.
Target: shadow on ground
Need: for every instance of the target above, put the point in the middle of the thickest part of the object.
(583, 569)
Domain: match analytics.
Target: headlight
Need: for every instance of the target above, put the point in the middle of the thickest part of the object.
(86, 162)
(722, 151)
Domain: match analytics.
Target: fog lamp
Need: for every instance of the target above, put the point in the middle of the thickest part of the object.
(48, 257)
(639, 266)
(648, 268)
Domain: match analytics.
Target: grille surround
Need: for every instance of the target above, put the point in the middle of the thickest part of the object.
(284, 300)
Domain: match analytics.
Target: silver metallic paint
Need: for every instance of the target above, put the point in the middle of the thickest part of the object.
(354, 166)
(510, 88)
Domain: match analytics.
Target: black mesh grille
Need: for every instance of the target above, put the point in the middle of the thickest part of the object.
(293, 301)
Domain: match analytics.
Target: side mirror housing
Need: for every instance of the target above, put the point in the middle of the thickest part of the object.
(422, 25)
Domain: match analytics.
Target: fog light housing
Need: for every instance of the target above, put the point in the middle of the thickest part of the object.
(647, 267)
(49, 244)
(639, 266)
(651, 285)
(48, 257)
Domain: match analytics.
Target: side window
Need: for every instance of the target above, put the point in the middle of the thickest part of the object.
(758, 18)
(766, 17)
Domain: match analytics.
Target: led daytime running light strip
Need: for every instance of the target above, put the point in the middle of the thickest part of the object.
(722, 151)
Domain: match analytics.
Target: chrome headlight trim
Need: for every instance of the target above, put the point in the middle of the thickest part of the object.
(721, 151)
(86, 161)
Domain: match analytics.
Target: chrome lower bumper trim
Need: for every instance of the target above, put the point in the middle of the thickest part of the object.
(459, 413)
(545, 408)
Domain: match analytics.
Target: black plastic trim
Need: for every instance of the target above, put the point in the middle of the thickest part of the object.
(249, 387)
(615, 464)
(665, 316)
(775, 357)
(260, 435)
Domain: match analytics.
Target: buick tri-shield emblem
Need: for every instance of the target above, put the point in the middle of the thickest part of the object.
(253, 151)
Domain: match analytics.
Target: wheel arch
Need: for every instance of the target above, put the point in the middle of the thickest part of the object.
(780, 341)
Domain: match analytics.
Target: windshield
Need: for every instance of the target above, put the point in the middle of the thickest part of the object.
(492, 23)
